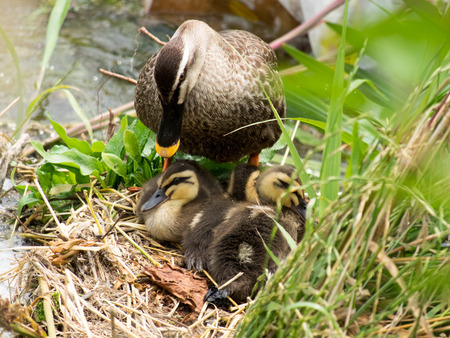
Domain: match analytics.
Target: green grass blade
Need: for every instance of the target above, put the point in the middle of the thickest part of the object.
(79, 111)
(55, 22)
(13, 53)
(331, 165)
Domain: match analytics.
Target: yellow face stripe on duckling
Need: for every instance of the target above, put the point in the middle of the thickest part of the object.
(279, 185)
(167, 151)
(182, 186)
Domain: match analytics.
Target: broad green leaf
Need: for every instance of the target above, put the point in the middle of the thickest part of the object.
(88, 165)
(28, 199)
(149, 147)
(115, 145)
(98, 147)
(142, 133)
(116, 164)
(132, 145)
(71, 142)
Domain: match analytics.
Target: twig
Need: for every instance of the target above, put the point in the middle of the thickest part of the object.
(418, 241)
(122, 77)
(91, 208)
(154, 38)
(47, 307)
(62, 232)
(115, 205)
(217, 285)
(307, 25)
(230, 281)
(71, 290)
(3, 112)
(150, 258)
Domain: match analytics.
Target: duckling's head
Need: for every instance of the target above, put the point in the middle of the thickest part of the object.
(281, 183)
(242, 184)
(183, 182)
(177, 69)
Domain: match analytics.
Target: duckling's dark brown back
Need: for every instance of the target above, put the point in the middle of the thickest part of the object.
(240, 243)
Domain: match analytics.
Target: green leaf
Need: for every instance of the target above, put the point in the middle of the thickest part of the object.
(289, 239)
(318, 68)
(142, 133)
(346, 137)
(98, 147)
(87, 165)
(71, 142)
(331, 164)
(55, 22)
(28, 199)
(115, 144)
(116, 164)
(36, 103)
(149, 148)
(132, 145)
(79, 111)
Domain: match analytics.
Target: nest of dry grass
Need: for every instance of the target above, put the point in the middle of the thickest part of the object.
(99, 274)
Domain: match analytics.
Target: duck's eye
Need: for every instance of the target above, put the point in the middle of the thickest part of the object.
(182, 77)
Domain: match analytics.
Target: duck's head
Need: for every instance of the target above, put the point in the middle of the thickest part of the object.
(242, 184)
(177, 69)
(281, 184)
(181, 183)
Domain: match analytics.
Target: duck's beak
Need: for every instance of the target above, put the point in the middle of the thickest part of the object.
(157, 198)
(169, 132)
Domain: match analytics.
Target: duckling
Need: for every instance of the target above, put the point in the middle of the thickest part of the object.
(203, 85)
(170, 201)
(198, 236)
(242, 184)
(237, 244)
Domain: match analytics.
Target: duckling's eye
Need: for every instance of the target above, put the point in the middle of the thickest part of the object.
(178, 180)
(182, 77)
(281, 184)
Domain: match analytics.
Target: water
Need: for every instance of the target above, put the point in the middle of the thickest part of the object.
(8, 205)
(105, 36)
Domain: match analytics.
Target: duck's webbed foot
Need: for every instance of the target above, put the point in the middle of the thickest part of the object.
(217, 297)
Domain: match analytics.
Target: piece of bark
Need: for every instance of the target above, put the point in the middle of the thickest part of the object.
(181, 283)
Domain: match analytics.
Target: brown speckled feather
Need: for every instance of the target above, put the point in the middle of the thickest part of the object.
(227, 96)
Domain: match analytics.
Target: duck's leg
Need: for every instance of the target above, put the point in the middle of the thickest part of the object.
(254, 159)
(167, 161)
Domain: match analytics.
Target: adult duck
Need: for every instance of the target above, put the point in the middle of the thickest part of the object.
(202, 86)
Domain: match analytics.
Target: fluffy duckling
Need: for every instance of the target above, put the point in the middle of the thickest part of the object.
(170, 200)
(242, 184)
(198, 236)
(237, 244)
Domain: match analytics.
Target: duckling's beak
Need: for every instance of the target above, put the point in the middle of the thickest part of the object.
(169, 132)
(300, 209)
(157, 198)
